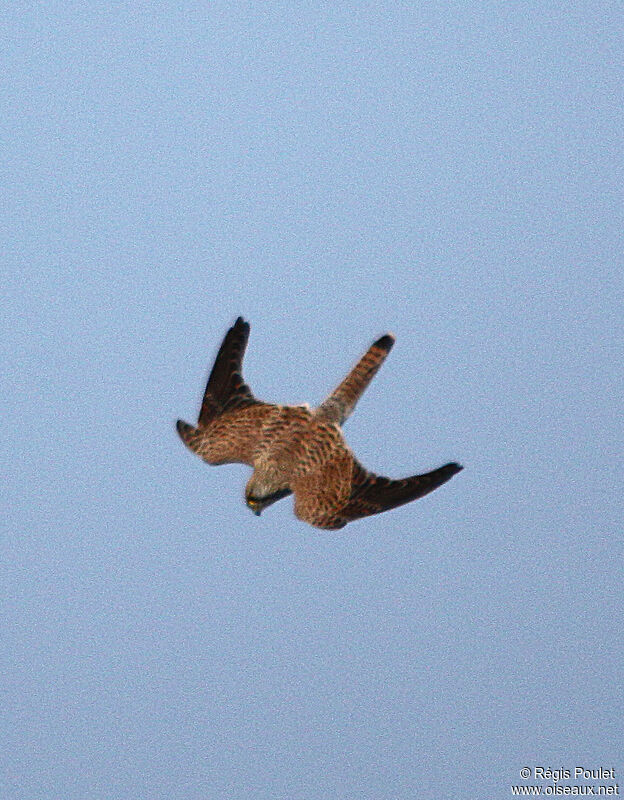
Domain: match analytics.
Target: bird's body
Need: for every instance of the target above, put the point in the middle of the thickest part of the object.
(294, 449)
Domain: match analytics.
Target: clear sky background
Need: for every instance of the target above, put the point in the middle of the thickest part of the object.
(447, 171)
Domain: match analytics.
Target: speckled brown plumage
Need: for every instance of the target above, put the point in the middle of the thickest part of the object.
(296, 450)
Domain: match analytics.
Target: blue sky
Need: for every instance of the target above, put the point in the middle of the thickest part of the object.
(450, 172)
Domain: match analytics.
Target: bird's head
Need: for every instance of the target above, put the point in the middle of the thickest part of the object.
(258, 496)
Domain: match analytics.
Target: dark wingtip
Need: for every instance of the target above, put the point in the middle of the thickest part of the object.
(385, 342)
(184, 429)
(453, 468)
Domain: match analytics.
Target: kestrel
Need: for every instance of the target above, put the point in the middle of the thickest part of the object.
(295, 449)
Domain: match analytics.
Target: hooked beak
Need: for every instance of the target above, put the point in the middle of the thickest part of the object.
(255, 506)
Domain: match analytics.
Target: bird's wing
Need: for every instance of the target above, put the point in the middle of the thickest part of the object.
(341, 402)
(226, 390)
(372, 494)
(231, 420)
(232, 437)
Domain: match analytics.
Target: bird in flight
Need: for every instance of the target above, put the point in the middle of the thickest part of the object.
(295, 449)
